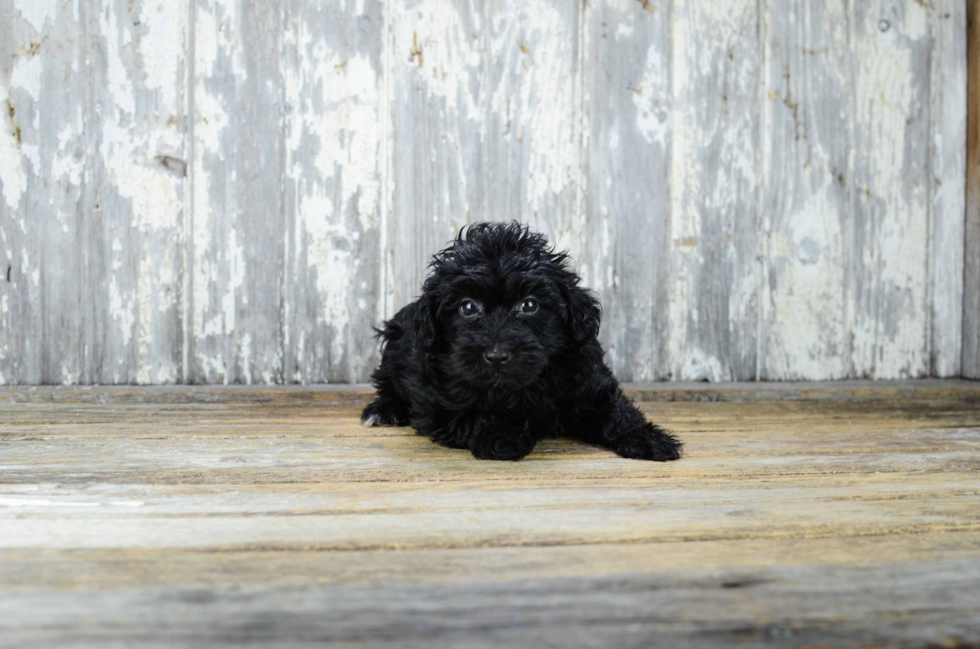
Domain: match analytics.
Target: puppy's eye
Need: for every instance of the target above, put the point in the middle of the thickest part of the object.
(529, 306)
(468, 308)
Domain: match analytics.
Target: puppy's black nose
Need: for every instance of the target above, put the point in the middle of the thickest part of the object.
(496, 358)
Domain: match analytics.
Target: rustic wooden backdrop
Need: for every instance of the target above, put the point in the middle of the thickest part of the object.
(236, 191)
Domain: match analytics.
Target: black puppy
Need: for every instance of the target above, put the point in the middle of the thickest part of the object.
(500, 351)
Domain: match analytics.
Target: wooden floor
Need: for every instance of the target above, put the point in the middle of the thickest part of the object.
(802, 515)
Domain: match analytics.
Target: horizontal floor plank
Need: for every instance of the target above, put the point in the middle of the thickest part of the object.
(915, 604)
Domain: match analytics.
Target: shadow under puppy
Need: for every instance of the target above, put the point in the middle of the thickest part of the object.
(501, 351)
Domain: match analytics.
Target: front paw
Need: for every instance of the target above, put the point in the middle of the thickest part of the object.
(380, 413)
(649, 442)
(503, 447)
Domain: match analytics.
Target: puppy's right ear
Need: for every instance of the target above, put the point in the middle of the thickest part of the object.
(423, 324)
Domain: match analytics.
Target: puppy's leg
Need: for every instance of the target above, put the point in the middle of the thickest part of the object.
(384, 412)
(388, 409)
(618, 425)
(490, 438)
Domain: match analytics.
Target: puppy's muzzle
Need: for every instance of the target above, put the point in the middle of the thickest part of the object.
(496, 358)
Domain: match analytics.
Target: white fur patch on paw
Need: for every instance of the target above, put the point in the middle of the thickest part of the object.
(371, 421)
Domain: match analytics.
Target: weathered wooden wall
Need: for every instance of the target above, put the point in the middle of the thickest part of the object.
(235, 191)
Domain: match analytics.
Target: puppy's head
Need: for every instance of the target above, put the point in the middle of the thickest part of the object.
(499, 303)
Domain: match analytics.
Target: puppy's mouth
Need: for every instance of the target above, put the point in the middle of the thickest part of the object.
(499, 379)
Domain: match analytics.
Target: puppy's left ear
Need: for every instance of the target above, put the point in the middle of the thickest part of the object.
(583, 314)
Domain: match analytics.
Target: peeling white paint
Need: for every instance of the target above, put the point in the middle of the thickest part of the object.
(548, 85)
(27, 74)
(11, 171)
(699, 366)
(69, 165)
(11, 163)
(714, 181)
(652, 99)
(121, 309)
(348, 133)
(890, 338)
(492, 106)
(245, 357)
(117, 76)
(449, 52)
(808, 300)
(130, 145)
(948, 89)
(162, 47)
(37, 12)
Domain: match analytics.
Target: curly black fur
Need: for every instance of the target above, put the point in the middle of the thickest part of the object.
(500, 351)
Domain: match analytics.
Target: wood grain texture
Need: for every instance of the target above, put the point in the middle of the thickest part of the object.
(971, 265)
(532, 156)
(92, 177)
(235, 328)
(627, 250)
(805, 215)
(891, 226)
(437, 102)
(333, 128)
(486, 126)
(947, 117)
(843, 520)
(713, 301)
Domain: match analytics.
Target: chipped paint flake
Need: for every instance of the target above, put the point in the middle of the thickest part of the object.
(37, 12)
(652, 98)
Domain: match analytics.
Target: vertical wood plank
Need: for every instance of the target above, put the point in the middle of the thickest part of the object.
(93, 179)
(890, 266)
(12, 341)
(805, 200)
(532, 106)
(333, 129)
(138, 182)
(971, 274)
(437, 100)
(713, 305)
(948, 196)
(485, 118)
(238, 224)
(628, 95)
(38, 221)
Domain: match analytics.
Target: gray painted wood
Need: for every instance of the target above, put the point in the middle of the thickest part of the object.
(890, 311)
(713, 304)
(436, 66)
(333, 174)
(805, 213)
(627, 248)
(92, 177)
(947, 117)
(533, 102)
(486, 126)
(235, 328)
(756, 191)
